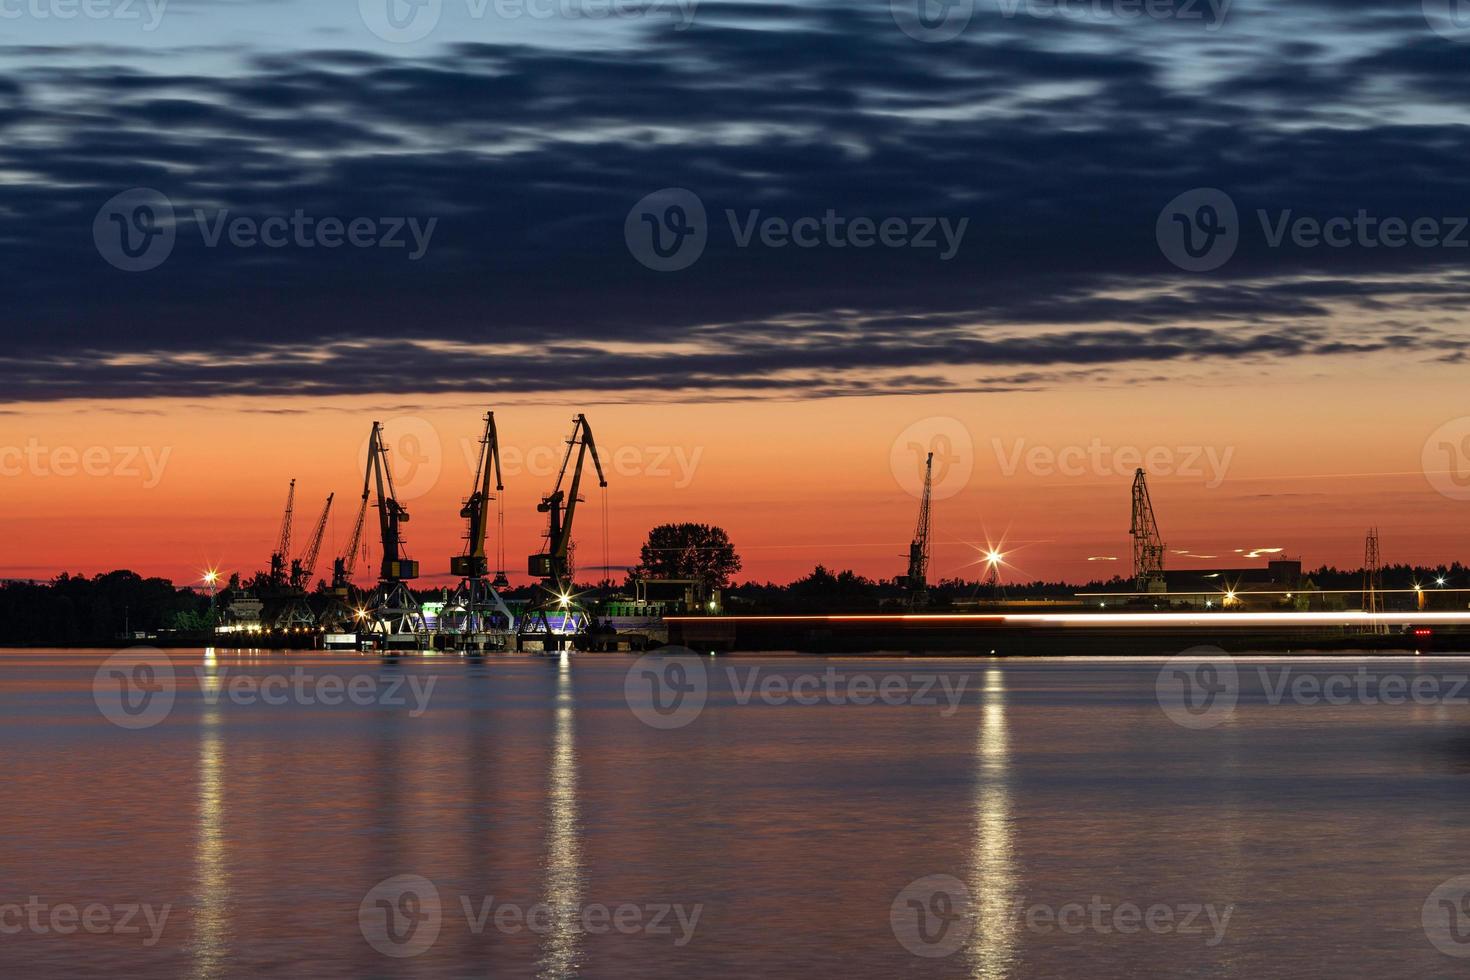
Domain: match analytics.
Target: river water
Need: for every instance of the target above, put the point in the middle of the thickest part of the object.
(206, 814)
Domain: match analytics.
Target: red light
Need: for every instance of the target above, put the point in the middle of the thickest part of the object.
(1423, 632)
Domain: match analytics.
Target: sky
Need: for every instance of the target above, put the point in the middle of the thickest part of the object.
(777, 252)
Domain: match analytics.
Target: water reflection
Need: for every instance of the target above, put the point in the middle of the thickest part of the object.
(211, 917)
(992, 947)
(561, 951)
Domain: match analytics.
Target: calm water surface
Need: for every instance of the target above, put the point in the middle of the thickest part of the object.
(789, 836)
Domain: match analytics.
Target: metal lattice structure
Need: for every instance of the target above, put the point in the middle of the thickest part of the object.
(1373, 581)
(281, 557)
(475, 613)
(918, 577)
(1148, 546)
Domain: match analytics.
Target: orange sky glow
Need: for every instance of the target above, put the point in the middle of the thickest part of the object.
(171, 487)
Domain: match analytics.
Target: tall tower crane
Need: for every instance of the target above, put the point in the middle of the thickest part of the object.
(1148, 547)
(553, 566)
(281, 557)
(476, 608)
(393, 610)
(298, 610)
(918, 577)
(303, 569)
(340, 613)
(1373, 582)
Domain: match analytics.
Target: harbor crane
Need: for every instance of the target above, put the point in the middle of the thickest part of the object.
(298, 610)
(553, 566)
(918, 577)
(393, 611)
(281, 557)
(475, 612)
(1148, 547)
(341, 610)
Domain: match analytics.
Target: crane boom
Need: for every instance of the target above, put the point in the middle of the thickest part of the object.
(561, 505)
(918, 578)
(1148, 546)
(282, 555)
(476, 510)
(345, 565)
(391, 514)
(304, 568)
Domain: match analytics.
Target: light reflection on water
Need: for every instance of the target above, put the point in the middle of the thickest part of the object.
(563, 852)
(793, 826)
(993, 879)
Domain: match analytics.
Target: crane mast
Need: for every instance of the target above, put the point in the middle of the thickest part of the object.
(281, 557)
(394, 613)
(918, 577)
(391, 514)
(475, 615)
(560, 505)
(344, 566)
(474, 563)
(553, 566)
(304, 568)
(1148, 546)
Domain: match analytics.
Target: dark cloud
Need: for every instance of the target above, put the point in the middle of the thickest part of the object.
(1059, 142)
